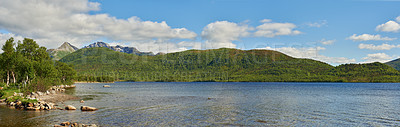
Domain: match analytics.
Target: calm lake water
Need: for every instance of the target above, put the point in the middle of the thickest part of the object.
(224, 104)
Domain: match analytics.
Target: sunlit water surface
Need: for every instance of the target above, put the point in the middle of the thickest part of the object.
(223, 104)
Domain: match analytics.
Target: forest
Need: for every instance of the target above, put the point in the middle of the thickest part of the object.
(26, 67)
(220, 65)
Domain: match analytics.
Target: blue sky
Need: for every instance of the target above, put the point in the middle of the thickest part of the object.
(205, 24)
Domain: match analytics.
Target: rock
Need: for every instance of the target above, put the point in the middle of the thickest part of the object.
(65, 123)
(53, 92)
(106, 86)
(18, 103)
(18, 94)
(39, 93)
(82, 101)
(12, 104)
(30, 104)
(92, 125)
(73, 86)
(87, 108)
(70, 107)
(57, 125)
(32, 108)
(2, 100)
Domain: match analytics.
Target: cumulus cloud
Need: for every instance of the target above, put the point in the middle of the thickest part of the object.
(5, 36)
(312, 53)
(390, 26)
(398, 19)
(377, 47)
(55, 21)
(269, 29)
(221, 34)
(163, 46)
(327, 42)
(317, 24)
(266, 20)
(369, 37)
(377, 57)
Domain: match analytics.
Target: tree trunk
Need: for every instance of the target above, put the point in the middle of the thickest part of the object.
(8, 78)
(27, 80)
(12, 72)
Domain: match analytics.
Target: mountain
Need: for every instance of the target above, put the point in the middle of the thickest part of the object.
(394, 63)
(118, 48)
(197, 65)
(369, 72)
(227, 65)
(65, 49)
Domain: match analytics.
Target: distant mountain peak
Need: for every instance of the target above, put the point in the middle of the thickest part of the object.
(98, 44)
(119, 48)
(67, 47)
(62, 51)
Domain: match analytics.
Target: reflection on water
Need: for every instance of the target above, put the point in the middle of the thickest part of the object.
(224, 104)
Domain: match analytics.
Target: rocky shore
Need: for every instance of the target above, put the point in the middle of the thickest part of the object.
(40, 100)
(74, 124)
(45, 100)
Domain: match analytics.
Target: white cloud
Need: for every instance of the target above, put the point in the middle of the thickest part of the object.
(52, 22)
(265, 20)
(327, 42)
(221, 34)
(5, 36)
(312, 53)
(390, 26)
(398, 19)
(377, 57)
(269, 29)
(377, 47)
(317, 24)
(163, 46)
(369, 37)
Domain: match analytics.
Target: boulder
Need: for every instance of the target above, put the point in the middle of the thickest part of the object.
(106, 86)
(65, 123)
(82, 101)
(87, 108)
(32, 108)
(70, 107)
(30, 105)
(72, 86)
(39, 93)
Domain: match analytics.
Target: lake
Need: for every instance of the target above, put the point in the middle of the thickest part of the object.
(223, 104)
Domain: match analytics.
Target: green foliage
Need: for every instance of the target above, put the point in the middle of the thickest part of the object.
(221, 65)
(29, 67)
(394, 63)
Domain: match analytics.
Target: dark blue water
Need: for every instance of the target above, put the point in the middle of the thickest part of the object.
(225, 104)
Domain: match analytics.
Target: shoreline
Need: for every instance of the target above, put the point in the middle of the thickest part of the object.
(93, 82)
(37, 101)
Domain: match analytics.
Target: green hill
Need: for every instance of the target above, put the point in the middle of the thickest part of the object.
(221, 65)
(370, 72)
(196, 65)
(394, 63)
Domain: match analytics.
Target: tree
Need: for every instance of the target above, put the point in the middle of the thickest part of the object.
(9, 59)
(66, 72)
